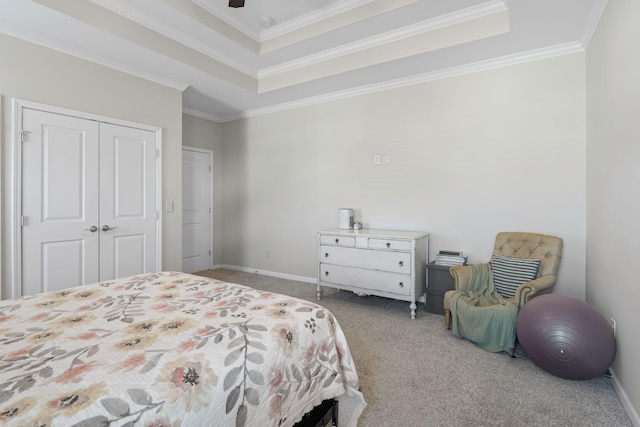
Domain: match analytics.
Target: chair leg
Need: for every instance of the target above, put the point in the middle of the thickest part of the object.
(447, 319)
(512, 353)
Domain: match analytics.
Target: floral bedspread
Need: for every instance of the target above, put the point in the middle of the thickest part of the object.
(170, 349)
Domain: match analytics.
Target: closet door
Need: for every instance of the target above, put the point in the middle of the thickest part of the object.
(127, 201)
(88, 201)
(60, 191)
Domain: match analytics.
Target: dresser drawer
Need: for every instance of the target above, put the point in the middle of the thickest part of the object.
(397, 262)
(383, 281)
(399, 245)
(338, 240)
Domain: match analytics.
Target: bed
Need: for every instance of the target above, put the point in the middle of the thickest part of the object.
(171, 349)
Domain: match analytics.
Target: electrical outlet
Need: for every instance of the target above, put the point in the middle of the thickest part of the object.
(376, 159)
(613, 326)
(267, 253)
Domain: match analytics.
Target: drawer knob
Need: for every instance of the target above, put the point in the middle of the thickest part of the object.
(326, 254)
(326, 273)
(388, 244)
(401, 284)
(337, 240)
(401, 263)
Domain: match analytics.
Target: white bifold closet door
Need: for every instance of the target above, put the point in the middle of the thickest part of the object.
(88, 201)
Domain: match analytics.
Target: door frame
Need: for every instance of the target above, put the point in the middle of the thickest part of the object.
(17, 107)
(210, 153)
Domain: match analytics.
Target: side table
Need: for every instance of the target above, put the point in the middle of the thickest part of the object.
(439, 281)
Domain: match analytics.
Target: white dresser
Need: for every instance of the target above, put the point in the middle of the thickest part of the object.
(385, 263)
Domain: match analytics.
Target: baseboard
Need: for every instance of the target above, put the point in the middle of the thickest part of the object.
(624, 399)
(268, 273)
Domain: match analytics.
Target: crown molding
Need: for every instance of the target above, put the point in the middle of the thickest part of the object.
(85, 54)
(141, 19)
(320, 27)
(292, 24)
(215, 23)
(592, 23)
(458, 17)
(202, 114)
(490, 64)
(311, 18)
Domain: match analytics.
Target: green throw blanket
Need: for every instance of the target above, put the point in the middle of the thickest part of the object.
(483, 316)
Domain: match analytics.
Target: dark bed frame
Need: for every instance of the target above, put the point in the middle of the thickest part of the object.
(321, 415)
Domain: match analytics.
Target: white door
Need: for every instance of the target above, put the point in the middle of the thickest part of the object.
(60, 191)
(196, 210)
(88, 201)
(127, 201)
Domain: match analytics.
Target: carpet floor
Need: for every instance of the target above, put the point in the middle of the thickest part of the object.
(416, 373)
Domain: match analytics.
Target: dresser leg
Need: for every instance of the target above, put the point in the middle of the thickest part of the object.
(413, 307)
(319, 293)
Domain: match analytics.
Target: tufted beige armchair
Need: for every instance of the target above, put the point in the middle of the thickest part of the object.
(548, 249)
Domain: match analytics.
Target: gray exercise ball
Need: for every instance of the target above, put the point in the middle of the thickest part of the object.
(565, 337)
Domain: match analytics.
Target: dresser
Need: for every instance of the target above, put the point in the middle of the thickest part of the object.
(385, 263)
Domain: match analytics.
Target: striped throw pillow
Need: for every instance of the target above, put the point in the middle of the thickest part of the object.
(509, 273)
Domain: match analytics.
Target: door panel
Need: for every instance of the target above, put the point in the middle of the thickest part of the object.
(127, 202)
(196, 211)
(192, 235)
(59, 201)
(129, 254)
(63, 174)
(70, 255)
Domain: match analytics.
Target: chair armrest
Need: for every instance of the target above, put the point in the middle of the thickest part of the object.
(528, 290)
(461, 277)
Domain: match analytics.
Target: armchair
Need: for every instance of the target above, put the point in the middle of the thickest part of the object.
(547, 249)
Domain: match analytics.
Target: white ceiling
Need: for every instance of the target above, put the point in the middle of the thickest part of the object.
(230, 65)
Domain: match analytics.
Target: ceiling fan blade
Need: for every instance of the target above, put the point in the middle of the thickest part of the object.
(236, 3)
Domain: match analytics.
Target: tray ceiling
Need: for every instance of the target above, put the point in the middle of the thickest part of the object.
(278, 54)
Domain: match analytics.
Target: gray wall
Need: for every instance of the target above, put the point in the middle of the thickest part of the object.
(471, 156)
(613, 183)
(38, 74)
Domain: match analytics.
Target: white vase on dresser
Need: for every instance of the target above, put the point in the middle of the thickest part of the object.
(386, 263)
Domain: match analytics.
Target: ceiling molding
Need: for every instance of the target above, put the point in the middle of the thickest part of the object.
(215, 23)
(490, 64)
(415, 43)
(202, 115)
(458, 17)
(122, 27)
(320, 27)
(85, 54)
(334, 9)
(133, 15)
(320, 14)
(592, 24)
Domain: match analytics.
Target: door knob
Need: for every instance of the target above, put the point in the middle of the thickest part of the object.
(92, 229)
(107, 228)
